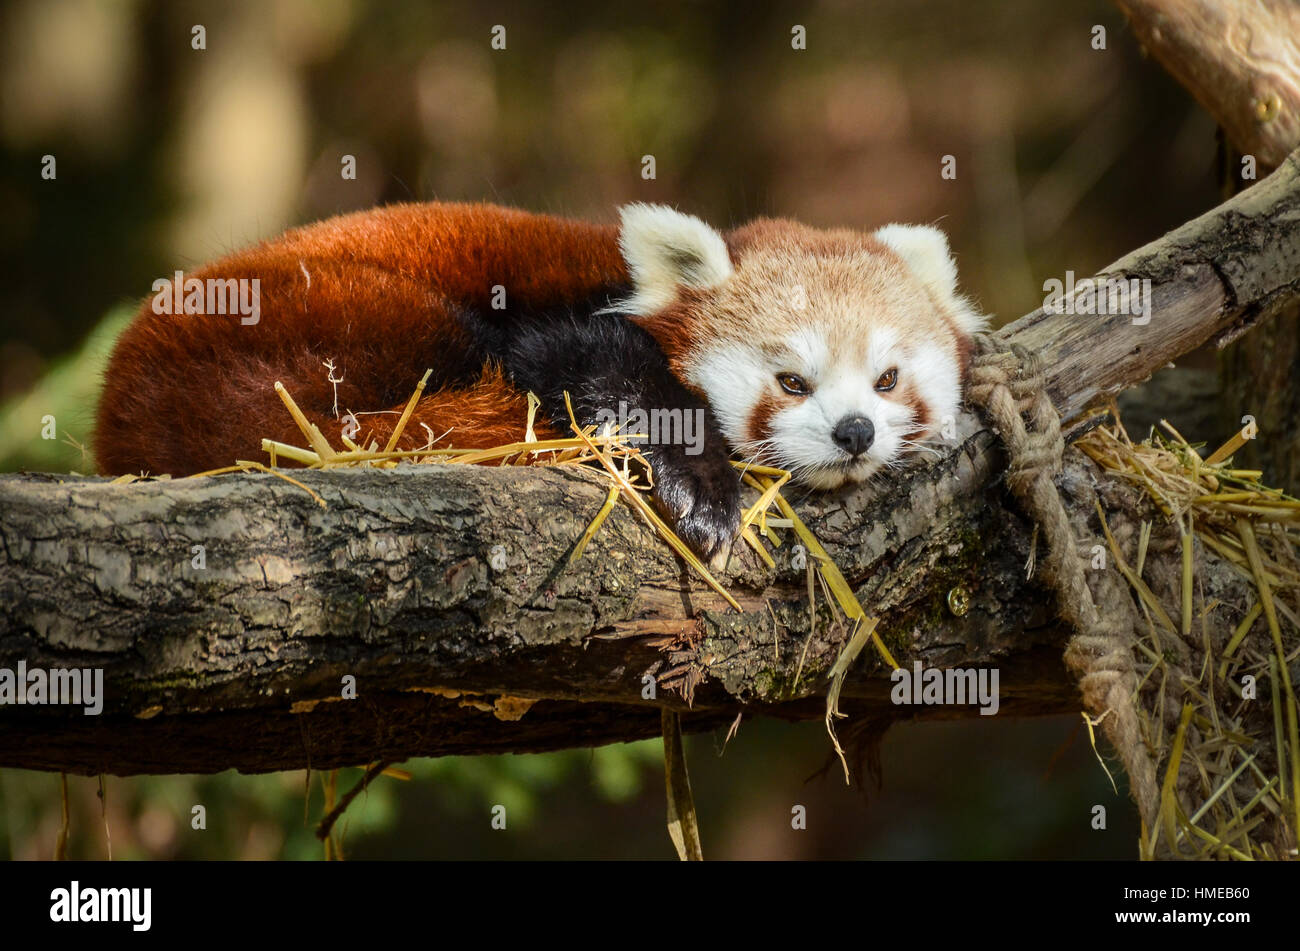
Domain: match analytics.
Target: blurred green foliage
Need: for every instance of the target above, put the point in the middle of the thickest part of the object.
(275, 815)
(989, 790)
(67, 391)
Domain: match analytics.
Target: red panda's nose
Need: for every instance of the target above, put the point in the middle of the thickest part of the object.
(854, 434)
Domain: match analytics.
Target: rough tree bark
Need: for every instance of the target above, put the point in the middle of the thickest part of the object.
(1241, 61)
(239, 664)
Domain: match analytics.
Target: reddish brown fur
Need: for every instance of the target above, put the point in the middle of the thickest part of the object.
(186, 392)
(963, 357)
(921, 416)
(781, 232)
(490, 413)
(760, 420)
(675, 327)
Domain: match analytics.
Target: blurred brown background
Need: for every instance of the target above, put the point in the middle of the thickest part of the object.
(1066, 157)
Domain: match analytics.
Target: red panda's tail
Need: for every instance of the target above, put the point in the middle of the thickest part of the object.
(348, 314)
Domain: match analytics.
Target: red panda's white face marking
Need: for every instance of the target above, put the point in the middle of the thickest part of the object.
(828, 353)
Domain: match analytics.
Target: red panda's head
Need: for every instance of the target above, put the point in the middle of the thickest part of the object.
(828, 353)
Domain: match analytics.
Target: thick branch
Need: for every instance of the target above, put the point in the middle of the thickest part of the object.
(1239, 59)
(240, 663)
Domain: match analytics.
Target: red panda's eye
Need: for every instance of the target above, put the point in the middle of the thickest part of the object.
(793, 383)
(887, 380)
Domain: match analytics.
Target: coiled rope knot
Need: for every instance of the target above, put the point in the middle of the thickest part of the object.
(1007, 385)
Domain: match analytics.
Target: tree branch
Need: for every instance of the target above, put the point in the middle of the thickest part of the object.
(1241, 61)
(241, 663)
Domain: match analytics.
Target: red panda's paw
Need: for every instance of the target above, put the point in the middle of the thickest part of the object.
(700, 496)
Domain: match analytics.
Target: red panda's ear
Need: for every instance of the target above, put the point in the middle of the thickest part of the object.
(666, 250)
(926, 253)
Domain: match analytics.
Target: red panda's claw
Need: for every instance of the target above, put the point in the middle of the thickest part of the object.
(718, 562)
(701, 497)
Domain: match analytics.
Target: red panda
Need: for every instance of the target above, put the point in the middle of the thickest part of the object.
(830, 353)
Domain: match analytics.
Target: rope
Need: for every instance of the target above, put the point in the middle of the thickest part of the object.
(1008, 386)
